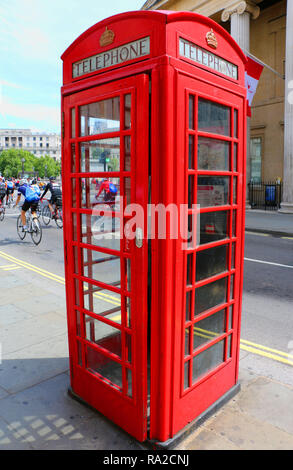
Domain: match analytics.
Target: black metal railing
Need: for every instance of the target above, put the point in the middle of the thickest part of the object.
(265, 195)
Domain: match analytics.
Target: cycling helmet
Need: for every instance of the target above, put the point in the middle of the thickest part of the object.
(52, 178)
(34, 181)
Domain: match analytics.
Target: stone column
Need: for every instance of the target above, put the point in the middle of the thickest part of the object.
(287, 203)
(239, 14)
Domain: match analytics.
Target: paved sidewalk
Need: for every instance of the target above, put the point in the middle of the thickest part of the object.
(36, 411)
(272, 222)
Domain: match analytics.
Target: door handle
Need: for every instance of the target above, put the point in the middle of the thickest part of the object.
(138, 237)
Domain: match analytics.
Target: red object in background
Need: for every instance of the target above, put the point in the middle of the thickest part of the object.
(253, 70)
(148, 87)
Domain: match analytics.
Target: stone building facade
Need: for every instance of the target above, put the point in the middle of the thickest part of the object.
(262, 28)
(39, 144)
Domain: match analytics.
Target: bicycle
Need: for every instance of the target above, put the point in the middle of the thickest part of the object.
(34, 228)
(2, 212)
(57, 215)
(9, 201)
(39, 210)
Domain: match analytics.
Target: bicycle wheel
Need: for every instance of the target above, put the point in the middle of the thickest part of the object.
(39, 211)
(36, 231)
(46, 215)
(59, 218)
(2, 213)
(21, 234)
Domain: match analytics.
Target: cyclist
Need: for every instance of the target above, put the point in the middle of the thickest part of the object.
(110, 190)
(9, 189)
(31, 195)
(56, 194)
(2, 191)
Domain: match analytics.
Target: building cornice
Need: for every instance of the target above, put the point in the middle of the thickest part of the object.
(240, 8)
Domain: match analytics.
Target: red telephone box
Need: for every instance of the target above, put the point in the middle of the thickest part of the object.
(154, 107)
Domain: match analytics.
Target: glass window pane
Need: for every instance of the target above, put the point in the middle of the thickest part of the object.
(213, 117)
(101, 267)
(209, 328)
(100, 155)
(234, 190)
(191, 112)
(232, 287)
(233, 256)
(74, 226)
(211, 262)
(234, 228)
(127, 303)
(73, 193)
(213, 226)
(128, 347)
(127, 153)
(190, 191)
(235, 123)
(78, 323)
(230, 326)
(128, 382)
(73, 158)
(76, 292)
(128, 274)
(191, 165)
(102, 302)
(79, 353)
(99, 230)
(210, 295)
(100, 117)
(235, 157)
(96, 194)
(213, 154)
(127, 190)
(186, 374)
(103, 335)
(189, 269)
(97, 362)
(188, 306)
(73, 122)
(208, 360)
(127, 111)
(187, 341)
(75, 260)
(229, 346)
(212, 190)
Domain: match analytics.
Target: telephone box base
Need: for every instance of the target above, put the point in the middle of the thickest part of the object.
(191, 427)
(187, 430)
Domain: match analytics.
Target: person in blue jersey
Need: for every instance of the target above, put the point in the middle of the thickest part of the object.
(31, 194)
(9, 189)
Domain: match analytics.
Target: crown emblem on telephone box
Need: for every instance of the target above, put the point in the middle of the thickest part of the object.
(107, 37)
(211, 39)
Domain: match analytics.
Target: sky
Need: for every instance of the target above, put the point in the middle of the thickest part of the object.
(33, 36)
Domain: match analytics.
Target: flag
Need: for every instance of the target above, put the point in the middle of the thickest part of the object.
(253, 72)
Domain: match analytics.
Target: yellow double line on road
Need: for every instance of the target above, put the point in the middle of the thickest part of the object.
(265, 351)
(9, 267)
(54, 277)
(245, 345)
(251, 347)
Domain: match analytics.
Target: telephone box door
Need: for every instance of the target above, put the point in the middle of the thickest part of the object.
(207, 336)
(105, 169)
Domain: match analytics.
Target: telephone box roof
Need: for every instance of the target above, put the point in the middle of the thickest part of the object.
(162, 16)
